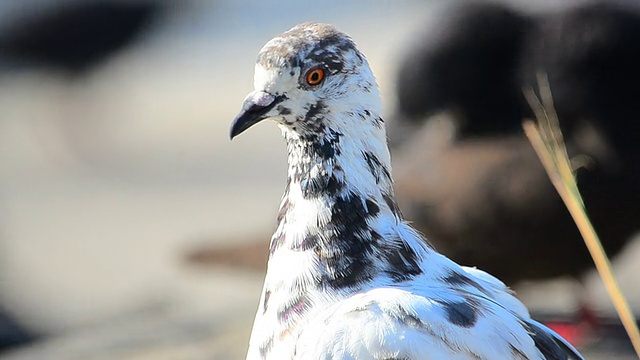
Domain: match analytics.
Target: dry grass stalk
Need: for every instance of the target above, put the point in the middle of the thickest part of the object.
(548, 142)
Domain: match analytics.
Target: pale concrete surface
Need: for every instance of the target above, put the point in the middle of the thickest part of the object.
(106, 181)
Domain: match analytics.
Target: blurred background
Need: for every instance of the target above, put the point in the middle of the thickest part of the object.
(132, 228)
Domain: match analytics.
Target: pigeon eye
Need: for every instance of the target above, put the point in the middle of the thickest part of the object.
(315, 76)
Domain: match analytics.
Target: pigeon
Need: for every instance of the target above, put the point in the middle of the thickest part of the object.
(484, 197)
(347, 276)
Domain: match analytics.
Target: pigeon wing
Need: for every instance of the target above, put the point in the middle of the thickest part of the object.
(389, 323)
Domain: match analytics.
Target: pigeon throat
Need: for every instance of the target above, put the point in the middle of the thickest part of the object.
(338, 211)
(328, 159)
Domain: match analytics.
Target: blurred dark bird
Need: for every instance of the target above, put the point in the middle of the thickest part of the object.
(12, 334)
(467, 47)
(484, 198)
(74, 37)
(591, 55)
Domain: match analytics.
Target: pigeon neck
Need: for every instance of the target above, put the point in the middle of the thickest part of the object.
(329, 163)
(337, 213)
(339, 231)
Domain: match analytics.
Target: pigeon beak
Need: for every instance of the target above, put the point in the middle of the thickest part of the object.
(255, 109)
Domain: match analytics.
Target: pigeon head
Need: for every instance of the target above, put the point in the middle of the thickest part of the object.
(303, 75)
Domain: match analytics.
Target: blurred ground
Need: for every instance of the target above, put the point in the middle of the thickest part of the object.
(108, 180)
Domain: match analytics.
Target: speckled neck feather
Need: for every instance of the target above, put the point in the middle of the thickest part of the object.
(333, 222)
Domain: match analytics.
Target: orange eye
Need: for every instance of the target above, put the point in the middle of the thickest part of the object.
(315, 76)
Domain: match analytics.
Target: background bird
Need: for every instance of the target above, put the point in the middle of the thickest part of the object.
(74, 37)
(483, 197)
(467, 46)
